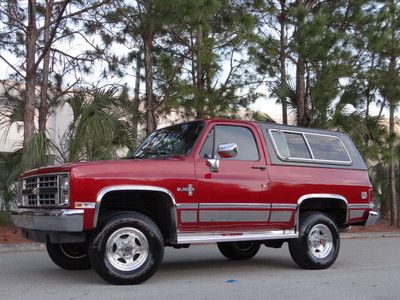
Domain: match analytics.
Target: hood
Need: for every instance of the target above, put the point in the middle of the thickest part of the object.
(83, 169)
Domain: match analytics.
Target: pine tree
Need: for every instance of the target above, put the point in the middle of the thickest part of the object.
(34, 29)
(206, 49)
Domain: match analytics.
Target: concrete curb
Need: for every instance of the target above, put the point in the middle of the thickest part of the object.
(24, 247)
(21, 247)
(368, 235)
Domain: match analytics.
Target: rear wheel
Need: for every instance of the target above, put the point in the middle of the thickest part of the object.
(128, 248)
(239, 250)
(69, 256)
(318, 244)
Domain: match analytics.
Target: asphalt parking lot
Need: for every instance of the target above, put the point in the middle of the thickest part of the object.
(365, 269)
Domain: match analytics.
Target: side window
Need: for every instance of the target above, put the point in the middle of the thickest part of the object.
(310, 147)
(208, 146)
(297, 145)
(327, 148)
(222, 134)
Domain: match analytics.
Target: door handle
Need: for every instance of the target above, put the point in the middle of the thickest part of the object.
(262, 168)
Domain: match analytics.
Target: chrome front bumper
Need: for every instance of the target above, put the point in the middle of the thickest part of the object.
(63, 220)
(373, 217)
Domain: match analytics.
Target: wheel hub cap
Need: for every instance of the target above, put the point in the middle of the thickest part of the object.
(127, 249)
(320, 241)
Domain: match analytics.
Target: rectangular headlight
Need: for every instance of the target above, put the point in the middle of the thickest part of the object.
(63, 185)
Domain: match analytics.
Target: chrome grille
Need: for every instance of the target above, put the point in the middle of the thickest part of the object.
(41, 191)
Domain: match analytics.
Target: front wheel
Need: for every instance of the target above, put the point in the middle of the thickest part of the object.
(128, 248)
(69, 256)
(239, 250)
(318, 244)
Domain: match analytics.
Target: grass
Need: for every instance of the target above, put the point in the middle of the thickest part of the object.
(4, 218)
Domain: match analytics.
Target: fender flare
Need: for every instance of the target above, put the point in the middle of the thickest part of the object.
(147, 188)
(318, 196)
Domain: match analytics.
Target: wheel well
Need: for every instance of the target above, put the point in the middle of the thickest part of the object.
(155, 204)
(335, 208)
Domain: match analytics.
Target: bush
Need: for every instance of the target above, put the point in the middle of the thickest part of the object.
(4, 217)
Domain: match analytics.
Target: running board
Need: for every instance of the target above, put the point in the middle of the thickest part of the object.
(207, 237)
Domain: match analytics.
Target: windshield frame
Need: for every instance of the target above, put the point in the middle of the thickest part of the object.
(155, 132)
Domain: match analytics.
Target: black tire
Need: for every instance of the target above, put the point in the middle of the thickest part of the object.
(69, 256)
(318, 244)
(127, 249)
(239, 250)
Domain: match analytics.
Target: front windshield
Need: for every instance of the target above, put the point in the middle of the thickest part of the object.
(171, 141)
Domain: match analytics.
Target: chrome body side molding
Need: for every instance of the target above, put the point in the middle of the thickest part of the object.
(233, 205)
(283, 206)
(360, 206)
(211, 237)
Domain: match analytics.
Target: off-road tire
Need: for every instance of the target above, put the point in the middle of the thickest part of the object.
(318, 244)
(239, 250)
(69, 256)
(142, 243)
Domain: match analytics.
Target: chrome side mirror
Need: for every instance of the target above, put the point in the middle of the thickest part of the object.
(227, 150)
(213, 163)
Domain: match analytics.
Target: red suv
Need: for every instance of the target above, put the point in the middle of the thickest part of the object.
(239, 184)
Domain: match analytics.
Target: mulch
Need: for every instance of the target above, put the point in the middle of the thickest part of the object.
(9, 234)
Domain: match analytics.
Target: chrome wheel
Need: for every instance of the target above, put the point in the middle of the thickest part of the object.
(320, 241)
(127, 249)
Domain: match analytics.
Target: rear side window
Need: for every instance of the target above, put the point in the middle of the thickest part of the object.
(326, 147)
(309, 147)
(297, 145)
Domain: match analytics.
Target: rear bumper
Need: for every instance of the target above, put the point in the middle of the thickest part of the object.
(59, 220)
(373, 217)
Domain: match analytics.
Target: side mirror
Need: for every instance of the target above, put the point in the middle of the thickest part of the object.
(227, 150)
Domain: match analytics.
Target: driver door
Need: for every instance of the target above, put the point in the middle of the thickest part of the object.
(232, 198)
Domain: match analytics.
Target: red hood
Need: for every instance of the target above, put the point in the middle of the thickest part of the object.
(103, 165)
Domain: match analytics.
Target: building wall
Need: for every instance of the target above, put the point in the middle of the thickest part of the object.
(11, 136)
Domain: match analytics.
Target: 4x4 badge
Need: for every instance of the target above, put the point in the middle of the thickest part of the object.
(189, 189)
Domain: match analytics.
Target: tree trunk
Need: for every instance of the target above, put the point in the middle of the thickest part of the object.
(282, 57)
(301, 92)
(148, 67)
(301, 105)
(135, 113)
(392, 178)
(394, 214)
(43, 108)
(30, 78)
(200, 83)
(368, 90)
